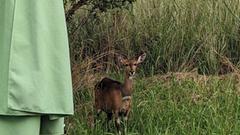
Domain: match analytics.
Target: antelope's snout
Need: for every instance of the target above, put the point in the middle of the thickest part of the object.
(131, 73)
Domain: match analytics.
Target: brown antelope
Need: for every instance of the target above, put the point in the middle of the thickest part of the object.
(114, 97)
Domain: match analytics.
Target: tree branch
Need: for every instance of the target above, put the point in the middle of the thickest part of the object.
(74, 8)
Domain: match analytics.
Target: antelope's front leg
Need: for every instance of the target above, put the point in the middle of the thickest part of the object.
(126, 115)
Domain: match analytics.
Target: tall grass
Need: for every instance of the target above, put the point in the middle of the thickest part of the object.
(172, 107)
(178, 35)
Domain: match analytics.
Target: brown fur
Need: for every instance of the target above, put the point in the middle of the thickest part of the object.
(109, 93)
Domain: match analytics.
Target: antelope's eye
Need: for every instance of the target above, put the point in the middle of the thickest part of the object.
(126, 65)
(135, 64)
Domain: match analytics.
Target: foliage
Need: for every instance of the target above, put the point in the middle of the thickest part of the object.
(171, 107)
(96, 5)
(178, 35)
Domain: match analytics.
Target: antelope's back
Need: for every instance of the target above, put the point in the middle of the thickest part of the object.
(108, 94)
(107, 84)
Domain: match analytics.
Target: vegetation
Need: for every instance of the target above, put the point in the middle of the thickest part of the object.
(178, 36)
(174, 104)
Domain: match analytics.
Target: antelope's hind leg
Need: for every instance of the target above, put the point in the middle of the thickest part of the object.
(96, 115)
(98, 112)
(109, 118)
(117, 122)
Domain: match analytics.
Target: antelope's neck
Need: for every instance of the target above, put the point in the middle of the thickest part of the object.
(128, 86)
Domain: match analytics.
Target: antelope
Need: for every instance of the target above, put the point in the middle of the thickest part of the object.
(114, 97)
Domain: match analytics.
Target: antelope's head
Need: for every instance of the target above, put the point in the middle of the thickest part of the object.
(132, 64)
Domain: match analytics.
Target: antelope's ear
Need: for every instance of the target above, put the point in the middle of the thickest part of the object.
(141, 58)
(122, 60)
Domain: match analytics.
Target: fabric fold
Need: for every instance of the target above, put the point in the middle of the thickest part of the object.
(35, 73)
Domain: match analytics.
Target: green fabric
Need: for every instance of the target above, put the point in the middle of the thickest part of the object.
(49, 126)
(35, 72)
(30, 125)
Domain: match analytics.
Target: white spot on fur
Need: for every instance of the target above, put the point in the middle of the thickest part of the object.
(118, 121)
(98, 111)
